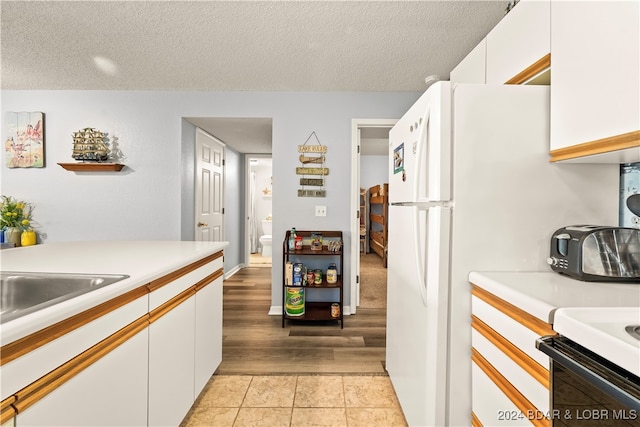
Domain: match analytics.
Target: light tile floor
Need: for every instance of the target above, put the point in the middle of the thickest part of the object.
(296, 400)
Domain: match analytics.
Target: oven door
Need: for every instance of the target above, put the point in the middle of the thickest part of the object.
(587, 389)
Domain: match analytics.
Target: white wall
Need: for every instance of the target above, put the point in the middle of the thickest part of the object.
(144, 201)
(374, 170)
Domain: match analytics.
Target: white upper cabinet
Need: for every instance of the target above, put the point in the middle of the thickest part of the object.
(595, 91)
(472, 69)
(518, 47)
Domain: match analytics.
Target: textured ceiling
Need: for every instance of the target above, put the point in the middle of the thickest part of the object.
(237, 45)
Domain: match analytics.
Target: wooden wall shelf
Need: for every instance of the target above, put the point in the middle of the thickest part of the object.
(92, 167)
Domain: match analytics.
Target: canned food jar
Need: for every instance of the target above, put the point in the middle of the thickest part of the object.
(318, 277)
(332, 274)
(310, 278)
(335, 310)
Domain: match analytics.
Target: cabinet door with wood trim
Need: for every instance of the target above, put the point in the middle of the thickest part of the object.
(208, 331)
(504, 357)
(518, 47)
(171, 364)
(595, 95)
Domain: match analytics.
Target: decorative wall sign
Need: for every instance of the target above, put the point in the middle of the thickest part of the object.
(312, 154)
(25, 140)
(312, 193)
(312, 148)
(316, 159)
(316, 182)
(312, 171)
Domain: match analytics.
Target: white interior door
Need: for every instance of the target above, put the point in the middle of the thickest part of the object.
(209, 188)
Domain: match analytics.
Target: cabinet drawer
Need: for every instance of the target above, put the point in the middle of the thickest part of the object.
(161, 293)
(26, 369)
(521, 336)
(536, 392)
(490, 405)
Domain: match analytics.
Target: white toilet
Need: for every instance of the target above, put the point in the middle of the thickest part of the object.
(265, 240)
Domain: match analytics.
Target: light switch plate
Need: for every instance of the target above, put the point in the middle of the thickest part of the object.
(321, 211)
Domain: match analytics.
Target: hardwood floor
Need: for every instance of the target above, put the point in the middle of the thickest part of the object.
(255, 343)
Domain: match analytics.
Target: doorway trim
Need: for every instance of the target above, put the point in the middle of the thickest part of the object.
(356, 126)
(247, 203)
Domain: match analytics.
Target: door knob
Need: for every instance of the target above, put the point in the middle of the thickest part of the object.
(203, 224)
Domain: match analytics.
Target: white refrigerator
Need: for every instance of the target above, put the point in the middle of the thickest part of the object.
(471, 188)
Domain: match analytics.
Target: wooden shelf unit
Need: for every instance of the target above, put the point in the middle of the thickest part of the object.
(318, 310)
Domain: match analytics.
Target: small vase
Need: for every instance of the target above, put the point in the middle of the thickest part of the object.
(12, 235)
(28, 238)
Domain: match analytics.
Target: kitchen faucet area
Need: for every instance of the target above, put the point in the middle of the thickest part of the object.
(328, 213)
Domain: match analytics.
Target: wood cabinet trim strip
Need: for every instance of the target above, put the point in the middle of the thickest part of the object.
(57, 377)
(536, 325)
(37, 339)
(531, 71)
(7, 413)
(165, 280)
(165, 308)
(208, 280)
(533, 368)
(475, 421)
(508, 389)
(598, 146)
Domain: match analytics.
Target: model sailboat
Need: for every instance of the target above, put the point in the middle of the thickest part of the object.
(89, 145)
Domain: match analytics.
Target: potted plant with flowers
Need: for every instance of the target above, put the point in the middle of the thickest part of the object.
(16, 221)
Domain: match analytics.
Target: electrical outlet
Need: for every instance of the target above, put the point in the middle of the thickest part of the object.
(321, 211)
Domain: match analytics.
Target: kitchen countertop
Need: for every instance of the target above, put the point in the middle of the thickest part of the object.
(592, 314)
(542, 293)
(142, 261)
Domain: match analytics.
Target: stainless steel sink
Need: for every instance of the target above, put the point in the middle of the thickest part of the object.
(22, 293)
(634, 331)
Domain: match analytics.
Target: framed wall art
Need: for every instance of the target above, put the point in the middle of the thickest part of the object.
(24, 146)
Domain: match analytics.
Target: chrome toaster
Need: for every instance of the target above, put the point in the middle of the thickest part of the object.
(595, 253)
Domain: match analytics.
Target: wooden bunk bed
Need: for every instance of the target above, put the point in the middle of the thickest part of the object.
(364, 221)
(378, 214)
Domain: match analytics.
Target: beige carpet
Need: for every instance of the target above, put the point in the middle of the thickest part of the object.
(373, 282)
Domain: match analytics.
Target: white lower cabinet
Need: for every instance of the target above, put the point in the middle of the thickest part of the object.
(510, 377)
(171, 364)
(110, 392)
(208, 333)
(142, 364)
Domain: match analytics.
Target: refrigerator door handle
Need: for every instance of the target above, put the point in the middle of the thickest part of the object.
(421, 185)
(421, 251)
(432, 251)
